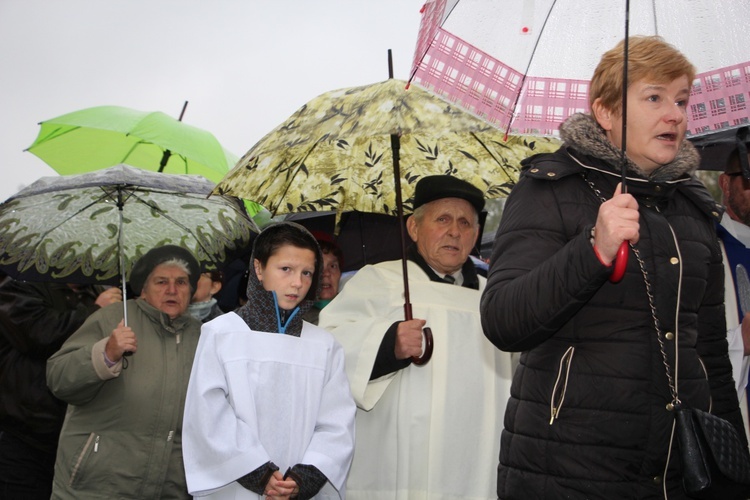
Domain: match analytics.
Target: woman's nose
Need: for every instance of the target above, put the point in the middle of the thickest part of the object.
(675, 114)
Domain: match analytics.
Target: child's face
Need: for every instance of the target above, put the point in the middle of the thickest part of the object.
(288, 272)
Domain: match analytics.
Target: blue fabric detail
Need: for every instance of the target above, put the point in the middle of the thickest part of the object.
(282, 328)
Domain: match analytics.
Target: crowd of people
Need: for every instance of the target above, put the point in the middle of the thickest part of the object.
(275, 381)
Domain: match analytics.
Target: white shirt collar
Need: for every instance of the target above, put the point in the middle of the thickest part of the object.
(458, 276)
(737, 229)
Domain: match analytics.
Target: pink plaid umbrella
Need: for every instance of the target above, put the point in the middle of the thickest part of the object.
(525, 66)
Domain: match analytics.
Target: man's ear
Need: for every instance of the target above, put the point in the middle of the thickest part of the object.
(411, 227)
(215, 287)
(603, 116)
(724, 180)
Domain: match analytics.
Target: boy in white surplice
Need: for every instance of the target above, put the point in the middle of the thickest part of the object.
(268, 392)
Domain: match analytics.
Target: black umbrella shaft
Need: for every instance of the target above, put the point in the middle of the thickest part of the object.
(395, 149)
(623, 146)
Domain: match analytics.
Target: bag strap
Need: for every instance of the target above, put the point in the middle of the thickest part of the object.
(654, 318)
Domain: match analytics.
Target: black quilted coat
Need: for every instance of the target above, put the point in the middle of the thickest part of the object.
(587, 416)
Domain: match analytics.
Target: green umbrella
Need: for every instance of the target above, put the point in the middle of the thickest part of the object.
(103, 136)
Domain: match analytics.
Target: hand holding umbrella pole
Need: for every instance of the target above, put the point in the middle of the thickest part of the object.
(621, 261)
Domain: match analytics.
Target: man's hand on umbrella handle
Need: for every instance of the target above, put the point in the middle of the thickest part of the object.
(616, 222)
(109, 296)
(409, 338)
(122, 340)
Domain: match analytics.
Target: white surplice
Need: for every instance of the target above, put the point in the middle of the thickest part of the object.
(423, 432)
(255, 397)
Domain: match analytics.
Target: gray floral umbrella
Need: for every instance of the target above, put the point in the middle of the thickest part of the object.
(92, 227)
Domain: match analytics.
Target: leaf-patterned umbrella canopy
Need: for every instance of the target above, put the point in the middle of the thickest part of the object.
(334, 153)
(68, 228)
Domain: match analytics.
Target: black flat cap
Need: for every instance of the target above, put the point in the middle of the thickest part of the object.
(159, 255)
(436, 187)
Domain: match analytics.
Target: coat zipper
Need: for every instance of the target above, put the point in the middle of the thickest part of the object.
(565, 362)
(77, 465)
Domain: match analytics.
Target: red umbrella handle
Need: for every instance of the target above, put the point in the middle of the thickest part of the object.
(427, 354)
(621, 262)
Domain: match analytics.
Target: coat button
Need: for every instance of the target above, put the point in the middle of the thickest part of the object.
(674, 260)
(657, 189)
(656, 479)
(669, 335)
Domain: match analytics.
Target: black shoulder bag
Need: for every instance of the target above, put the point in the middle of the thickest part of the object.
(715, 461)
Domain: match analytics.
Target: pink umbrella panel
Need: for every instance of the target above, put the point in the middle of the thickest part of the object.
(525, 66)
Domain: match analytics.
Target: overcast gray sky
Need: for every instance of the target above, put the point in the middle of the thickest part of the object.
(243, 65)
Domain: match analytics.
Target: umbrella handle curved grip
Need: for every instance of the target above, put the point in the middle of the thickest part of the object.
(427, 354)
(621, 262)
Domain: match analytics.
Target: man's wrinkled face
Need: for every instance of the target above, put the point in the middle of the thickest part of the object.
(168, 289)
(446, 233)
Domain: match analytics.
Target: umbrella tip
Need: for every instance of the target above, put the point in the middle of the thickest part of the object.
(182, 113)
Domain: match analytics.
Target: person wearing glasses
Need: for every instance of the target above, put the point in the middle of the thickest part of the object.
(734, 234)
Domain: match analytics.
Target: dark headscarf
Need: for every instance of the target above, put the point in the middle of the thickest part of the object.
(261, 312)
(159, 255)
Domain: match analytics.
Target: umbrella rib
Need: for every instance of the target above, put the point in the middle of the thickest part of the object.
(207, 251)
(526, 71)
(289, 184)
(71, 216)
(130, 151)
(481, 142)
(52, 134)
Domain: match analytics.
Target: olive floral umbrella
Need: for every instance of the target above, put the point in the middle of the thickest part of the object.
(335, 152)
(91, 228)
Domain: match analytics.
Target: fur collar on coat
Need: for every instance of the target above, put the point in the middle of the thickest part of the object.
(581, 133)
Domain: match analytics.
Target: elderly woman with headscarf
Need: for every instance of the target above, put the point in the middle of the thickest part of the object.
(268, 409)
(125, 387)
